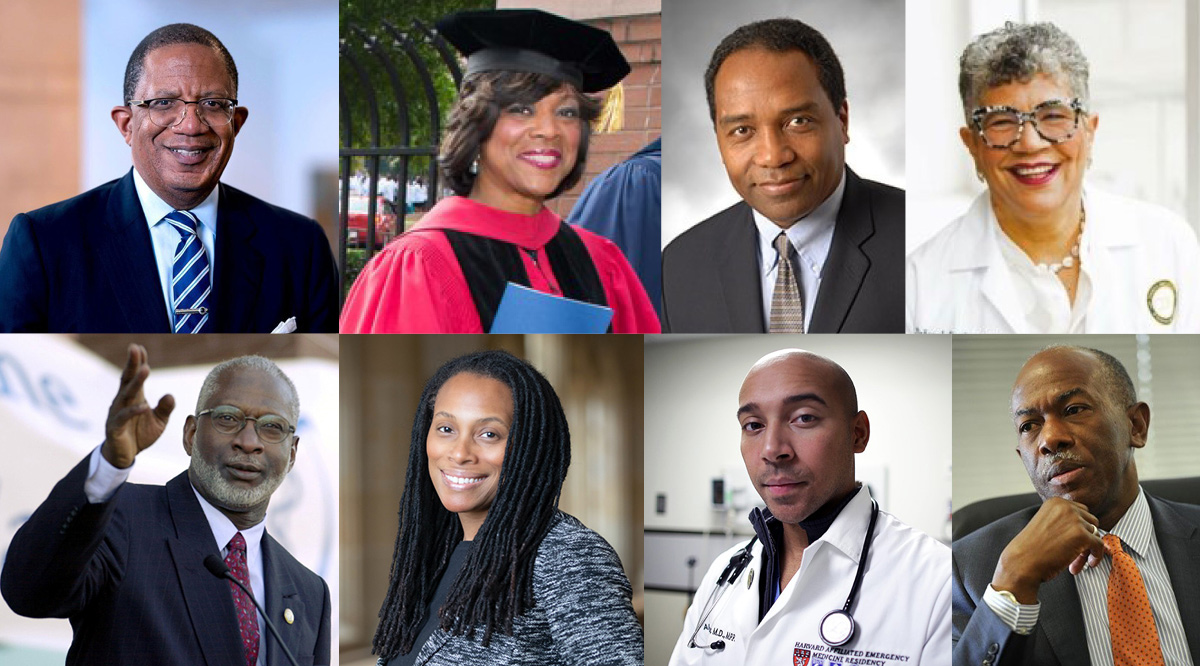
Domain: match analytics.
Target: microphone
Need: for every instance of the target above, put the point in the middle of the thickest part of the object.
(217, 567)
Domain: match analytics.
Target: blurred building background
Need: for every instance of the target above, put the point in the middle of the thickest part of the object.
(866, 36)
(62, 64)
(55, 391)
(398, 90)
(636, 25)
(597, 378)
(693, 442)
(1145, 86)
(1166, 373)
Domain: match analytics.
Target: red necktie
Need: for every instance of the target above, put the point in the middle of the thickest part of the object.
(1130, 621)
(246, 614)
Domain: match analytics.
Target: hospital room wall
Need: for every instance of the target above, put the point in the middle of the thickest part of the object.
(692, 436)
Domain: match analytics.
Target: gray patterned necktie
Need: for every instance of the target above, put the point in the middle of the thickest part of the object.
(787, 306)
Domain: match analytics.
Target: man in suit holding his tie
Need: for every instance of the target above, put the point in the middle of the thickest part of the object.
(1100, 572)
(167, 248)
(127, 562)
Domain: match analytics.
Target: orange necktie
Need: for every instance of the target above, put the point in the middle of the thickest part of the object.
(1130, 622)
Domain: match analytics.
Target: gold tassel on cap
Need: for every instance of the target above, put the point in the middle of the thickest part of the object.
(612, 111)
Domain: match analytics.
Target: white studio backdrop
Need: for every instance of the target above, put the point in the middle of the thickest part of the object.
(286, 55)
(1140, 87)
(54, 399)
(869, 42)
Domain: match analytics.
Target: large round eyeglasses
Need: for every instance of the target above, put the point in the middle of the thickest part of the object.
(1055, 120)
(230, 420)
(169, 111)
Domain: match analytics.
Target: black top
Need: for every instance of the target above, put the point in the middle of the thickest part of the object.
(531, 40)
(457, 558)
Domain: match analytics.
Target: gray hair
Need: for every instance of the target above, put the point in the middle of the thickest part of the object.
(170, 35)
(212, 381)
(1018, 52)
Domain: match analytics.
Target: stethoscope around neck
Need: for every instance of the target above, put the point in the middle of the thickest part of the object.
(837, 627)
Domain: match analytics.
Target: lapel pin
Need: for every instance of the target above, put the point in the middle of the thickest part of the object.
(1162, 299)
(749, 578)
(289, 616)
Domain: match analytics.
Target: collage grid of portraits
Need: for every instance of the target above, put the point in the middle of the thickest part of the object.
(856, 256)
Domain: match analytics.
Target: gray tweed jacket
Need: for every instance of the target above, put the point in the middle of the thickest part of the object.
(582, 613)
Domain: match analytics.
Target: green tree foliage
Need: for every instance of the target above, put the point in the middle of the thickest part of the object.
(362, 20)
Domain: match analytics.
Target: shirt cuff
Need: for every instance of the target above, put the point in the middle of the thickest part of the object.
(103, 478)
(1021, 618)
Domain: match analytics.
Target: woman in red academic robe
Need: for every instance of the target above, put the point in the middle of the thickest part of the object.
(517, 136)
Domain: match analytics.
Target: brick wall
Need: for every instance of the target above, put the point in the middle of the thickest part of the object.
(640, 39)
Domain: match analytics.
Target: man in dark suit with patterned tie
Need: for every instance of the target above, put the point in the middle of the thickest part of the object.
(167, 248)
(127, 562)
(811, 247)
(1100, 573)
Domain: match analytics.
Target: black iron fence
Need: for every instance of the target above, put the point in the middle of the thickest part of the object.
(394, 85)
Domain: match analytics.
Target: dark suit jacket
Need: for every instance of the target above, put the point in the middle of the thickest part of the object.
(1059, 637)
(711, 280)
(129, 573)
(86, 265)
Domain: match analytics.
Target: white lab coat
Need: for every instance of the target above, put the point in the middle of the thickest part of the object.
(959, 282)
(902, 610)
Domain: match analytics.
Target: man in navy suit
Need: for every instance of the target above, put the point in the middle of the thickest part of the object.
(109, 260)
(125, 562)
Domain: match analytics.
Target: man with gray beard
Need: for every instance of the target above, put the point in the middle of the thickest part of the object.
(127, 562)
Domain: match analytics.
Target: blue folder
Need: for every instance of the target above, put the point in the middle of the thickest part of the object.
(525, 310)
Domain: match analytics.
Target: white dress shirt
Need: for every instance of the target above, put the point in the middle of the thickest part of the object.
(104, 479)
(811, 235)
(165, 238)
(1138, 539)
(1043, 297)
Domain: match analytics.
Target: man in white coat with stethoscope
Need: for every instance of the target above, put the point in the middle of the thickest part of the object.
(829, 578)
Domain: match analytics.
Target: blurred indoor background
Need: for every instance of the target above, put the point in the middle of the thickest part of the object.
(1144, 83)
(1166, 373)
(599, 381)
(62, 64)
(693, 441)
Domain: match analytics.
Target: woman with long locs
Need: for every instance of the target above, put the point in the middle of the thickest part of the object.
(487, 570)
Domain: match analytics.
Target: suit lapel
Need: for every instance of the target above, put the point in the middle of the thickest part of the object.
(208, 598)
(847, 264)
(282, 595)
(737, 262)
(239, 266)
(121, 239)
(1061, 619)
(1179, 541)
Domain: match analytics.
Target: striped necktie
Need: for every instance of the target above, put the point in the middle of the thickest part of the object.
(1130, 620)
(787, 307)
(191, 279)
